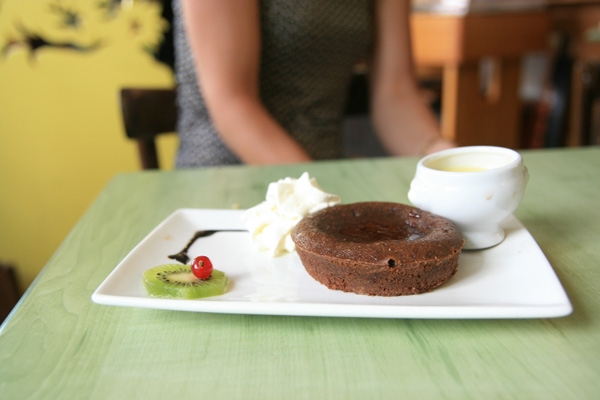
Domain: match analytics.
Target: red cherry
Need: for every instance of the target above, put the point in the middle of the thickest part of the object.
(202, 268)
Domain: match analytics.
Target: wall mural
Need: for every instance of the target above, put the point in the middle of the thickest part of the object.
(80, 25)
(62, 65)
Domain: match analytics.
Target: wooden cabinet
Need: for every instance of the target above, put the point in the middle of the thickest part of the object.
(579, 22)
(480, 58)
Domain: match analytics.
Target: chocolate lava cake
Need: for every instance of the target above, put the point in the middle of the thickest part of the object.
(378, 249)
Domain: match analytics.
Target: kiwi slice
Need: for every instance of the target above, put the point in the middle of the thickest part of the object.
(176, 281)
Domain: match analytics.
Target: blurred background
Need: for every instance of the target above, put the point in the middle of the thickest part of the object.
(521, 74)
(62, 64)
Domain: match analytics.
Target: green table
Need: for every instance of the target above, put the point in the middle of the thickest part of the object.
(58, 344)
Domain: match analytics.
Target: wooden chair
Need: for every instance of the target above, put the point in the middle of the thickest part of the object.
(9, 292)
(147, 113)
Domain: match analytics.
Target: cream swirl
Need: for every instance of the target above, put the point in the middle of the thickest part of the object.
(287, 201)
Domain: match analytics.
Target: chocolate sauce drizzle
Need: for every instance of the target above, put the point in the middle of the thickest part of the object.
(182, 256)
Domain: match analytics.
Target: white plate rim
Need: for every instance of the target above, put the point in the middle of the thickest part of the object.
(553, 301)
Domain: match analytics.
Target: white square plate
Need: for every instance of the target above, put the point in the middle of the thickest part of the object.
(511, 280)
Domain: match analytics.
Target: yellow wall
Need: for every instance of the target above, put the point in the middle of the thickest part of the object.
(61, 137)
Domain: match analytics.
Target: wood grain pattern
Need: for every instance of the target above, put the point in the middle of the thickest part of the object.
(58, 344)
(459, 44)
(455, 39)
(470, 118)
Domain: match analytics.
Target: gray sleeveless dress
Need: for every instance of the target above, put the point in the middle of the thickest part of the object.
(309, 49)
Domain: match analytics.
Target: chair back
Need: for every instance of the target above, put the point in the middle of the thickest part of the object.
(147, 113)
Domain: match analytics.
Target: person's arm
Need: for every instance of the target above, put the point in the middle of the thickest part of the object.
(224, 37)
(404, 123)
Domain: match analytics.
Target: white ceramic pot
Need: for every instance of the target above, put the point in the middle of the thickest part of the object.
(476, 187)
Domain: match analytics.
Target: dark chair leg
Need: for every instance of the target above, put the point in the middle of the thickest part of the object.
(9, 292)
(147, 149)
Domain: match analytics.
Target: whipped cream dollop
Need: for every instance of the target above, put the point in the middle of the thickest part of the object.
(288, 201)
